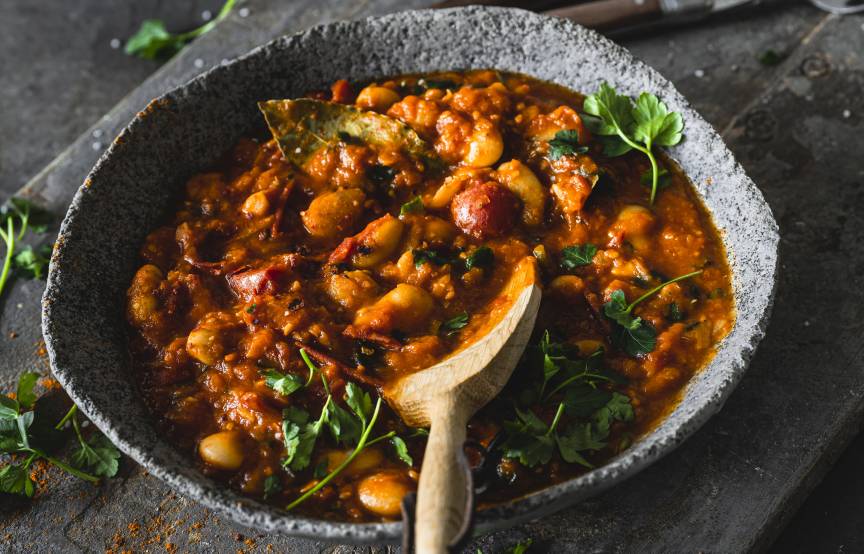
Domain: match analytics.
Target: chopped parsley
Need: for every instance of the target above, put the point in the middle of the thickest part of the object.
(482, 257)
(452, 325)
(566, 143)
(413, 206)
(634, 335)
(577, 255)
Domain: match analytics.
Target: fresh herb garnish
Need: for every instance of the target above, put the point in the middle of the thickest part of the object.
(423, 255)
(402, 450)
(90, 460)
(283, 383)
(452, 325)
(633, 334)
(577, 255)
(583, 415)
(664, 178)
(17, 216)
(482, 257)
(624, 126)
(32, 261)
(770, 57)
(413, 206)
(566, 143)
(251, 308)
(272, 485)
(349, 428)
(152, 41)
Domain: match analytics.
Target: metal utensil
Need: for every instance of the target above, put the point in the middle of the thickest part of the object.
(842, 7)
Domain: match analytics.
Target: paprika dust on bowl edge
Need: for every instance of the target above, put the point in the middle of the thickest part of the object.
(371, 236)
(243, 355)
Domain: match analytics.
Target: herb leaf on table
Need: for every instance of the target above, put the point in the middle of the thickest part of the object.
(152, 41)
(91, 460)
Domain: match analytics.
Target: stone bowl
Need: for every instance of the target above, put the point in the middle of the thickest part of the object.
(133, 185)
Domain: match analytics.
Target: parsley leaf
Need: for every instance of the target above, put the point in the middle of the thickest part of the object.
(422, 256)
(413, 206)
(98, 457)
(16, 217)
(577, 255)
(622, 125)
(154, 42)
(452, 325)
(528, 439)
(664, 178)
(344, 427)
(402, 450)
(8, 407)
(359, 401)
(15, 479)
(24, 393)
(481, 257)
(33, 261)
(770, 57)
(272, 485)
(566, 143)
(282, 383)
(633, 334)
(299, 437)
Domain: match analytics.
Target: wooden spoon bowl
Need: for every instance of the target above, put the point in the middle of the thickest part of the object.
(446, 395)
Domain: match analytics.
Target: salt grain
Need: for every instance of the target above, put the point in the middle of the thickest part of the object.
(97, 133)
(243, 12)
(115, 43)
(199, 63)
(847, 114)
(206, 15)
(699, 73)
(96, 145)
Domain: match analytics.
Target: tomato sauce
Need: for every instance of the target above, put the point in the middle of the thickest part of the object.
(377, 264)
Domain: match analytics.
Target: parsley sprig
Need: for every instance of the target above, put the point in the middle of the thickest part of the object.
(634, 335)
(624, 125)
(17, 217)
(90, 460)
(579, 388)
(350, 428)
(152, 41)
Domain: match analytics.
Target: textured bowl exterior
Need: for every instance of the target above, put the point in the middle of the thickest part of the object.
(131, 188)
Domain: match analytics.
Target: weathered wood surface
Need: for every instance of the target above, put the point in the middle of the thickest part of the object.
(794, 126)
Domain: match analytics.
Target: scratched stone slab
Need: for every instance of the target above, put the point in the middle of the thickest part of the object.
(732, 485)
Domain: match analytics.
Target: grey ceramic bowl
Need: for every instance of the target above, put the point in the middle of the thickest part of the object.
(182, 132)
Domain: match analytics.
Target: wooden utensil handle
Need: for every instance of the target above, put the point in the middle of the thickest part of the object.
(442, 494)
(609, 14)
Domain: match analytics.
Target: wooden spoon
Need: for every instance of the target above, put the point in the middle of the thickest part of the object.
(445, 396)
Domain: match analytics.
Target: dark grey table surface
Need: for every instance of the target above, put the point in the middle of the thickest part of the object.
(734, 486)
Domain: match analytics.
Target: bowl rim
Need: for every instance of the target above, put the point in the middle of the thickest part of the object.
(644, 452)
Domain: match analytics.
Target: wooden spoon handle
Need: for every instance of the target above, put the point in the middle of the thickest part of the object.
(442, 494)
